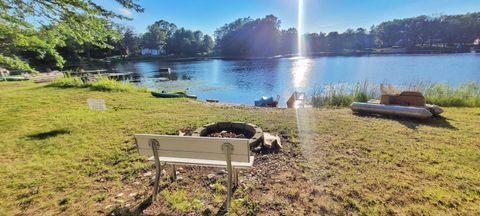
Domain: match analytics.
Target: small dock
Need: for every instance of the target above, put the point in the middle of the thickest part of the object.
(119, 75)
(91, 74)
(99, 71)
(164, 70)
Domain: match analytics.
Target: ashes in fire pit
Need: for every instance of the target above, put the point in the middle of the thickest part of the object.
(232, 130)
(226, 134)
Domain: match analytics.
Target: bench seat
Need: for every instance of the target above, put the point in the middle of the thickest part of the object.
(203, 162)
(231, 153)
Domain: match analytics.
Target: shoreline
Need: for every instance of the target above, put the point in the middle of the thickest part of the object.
(117, 59)
(323, 54)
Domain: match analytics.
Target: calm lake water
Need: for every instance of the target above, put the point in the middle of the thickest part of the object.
(243, 81)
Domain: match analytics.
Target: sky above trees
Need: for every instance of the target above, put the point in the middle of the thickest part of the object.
(320, 15)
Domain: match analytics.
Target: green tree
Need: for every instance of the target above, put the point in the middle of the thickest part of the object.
(41, 26)
(157, 35)
(250, 38)
(207, 44)
(289, 40)
(130, 43)
(334, 42)
(186, 42)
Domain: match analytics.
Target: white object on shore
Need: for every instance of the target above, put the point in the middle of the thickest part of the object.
(97, 104)
(271, 141)
(408, 111)
(434, 109)
(4, 72)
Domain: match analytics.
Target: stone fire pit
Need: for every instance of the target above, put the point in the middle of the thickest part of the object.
(233, 130)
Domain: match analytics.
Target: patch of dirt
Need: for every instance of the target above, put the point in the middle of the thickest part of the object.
(275, 184)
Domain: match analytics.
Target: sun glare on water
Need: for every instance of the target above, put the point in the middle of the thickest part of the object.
(300, 72)
(301, 65)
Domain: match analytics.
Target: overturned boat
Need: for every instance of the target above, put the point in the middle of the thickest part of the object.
(407, 103)
(408, 111)
(267, 102)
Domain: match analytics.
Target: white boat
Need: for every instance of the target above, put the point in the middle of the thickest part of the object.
(408, 111)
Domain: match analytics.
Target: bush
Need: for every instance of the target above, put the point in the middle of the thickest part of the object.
(106, 84)
(68, 82)
(466, 95)
(101, 83)
(342, 95)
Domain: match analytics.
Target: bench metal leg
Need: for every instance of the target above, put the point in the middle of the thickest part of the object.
(174, 173)
(156, 188)
(236, 177)
(228, 148)
(234, 173)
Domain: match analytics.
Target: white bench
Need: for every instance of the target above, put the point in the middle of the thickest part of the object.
(197, 151)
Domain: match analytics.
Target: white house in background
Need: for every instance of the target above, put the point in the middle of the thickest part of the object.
(153, 51)
(476, 42)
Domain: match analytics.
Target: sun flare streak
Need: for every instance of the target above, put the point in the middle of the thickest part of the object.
(300, 72)
(300, 28)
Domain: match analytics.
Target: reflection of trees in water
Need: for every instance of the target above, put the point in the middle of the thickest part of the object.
(169, 76)
(246, 73)
(186, 77)
(136, 77)
(250, 65)
(173, 76)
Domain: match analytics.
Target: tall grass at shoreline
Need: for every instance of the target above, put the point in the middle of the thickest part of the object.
(442, 94)
(101, 83)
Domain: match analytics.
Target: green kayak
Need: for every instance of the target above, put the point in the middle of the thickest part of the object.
(12, 78)
(173, 95)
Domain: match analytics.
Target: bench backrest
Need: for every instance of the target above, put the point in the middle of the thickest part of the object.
(207, 148)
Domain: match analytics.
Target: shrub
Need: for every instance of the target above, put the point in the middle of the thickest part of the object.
(68, 82)
(101, 83)
(341, 95)
(466, 95)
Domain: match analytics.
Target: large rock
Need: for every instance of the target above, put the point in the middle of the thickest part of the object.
(211, 176)
(271, 141)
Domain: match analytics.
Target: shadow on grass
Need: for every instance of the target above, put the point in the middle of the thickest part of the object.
(413, 123)
(45, 135)
(138, 210)
(222, 210)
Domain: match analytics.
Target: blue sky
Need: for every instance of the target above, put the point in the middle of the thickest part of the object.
(319, 15)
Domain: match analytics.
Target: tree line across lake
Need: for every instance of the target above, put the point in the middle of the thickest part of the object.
(263, 37)
(58, 32)
(248, 37)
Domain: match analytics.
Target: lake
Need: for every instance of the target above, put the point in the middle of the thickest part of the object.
(243, 81)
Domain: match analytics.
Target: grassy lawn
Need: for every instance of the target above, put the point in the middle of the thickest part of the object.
(59, 157)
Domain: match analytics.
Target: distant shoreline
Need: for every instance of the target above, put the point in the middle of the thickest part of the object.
(323, 54)
(379, 52)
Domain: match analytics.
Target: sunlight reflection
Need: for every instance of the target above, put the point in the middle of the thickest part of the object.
(300, 71)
